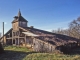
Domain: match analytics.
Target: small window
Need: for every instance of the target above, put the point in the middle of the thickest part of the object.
(34, 43)
(17, 33)
(13, 34)
(13, 41)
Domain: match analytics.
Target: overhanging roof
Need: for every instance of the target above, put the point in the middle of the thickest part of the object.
(29, 34)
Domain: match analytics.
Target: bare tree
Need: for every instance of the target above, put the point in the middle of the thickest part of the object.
(61, 31)
(73, 30)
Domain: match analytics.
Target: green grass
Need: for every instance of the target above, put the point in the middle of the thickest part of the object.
(15, 48)
(22, 53)
(47, 56)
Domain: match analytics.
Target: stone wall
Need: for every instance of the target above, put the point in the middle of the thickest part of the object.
(41, 46)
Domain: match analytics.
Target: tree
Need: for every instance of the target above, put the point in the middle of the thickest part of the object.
(0, 34)
(73, 30)
(61, 31)
(1, 49)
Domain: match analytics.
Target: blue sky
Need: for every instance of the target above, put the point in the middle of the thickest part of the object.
(42, 14)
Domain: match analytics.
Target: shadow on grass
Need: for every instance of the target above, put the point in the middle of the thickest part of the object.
(14, 55)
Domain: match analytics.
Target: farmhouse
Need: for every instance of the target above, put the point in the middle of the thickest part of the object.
(22, 35)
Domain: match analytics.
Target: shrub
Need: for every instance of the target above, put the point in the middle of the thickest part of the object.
(1, 49)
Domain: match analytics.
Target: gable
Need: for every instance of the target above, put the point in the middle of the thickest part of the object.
(10, 30)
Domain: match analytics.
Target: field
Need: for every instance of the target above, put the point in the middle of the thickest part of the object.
(22, 53)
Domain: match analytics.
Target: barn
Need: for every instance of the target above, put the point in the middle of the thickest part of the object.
(39, 40)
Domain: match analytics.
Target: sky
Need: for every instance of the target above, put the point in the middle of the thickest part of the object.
(42, 14)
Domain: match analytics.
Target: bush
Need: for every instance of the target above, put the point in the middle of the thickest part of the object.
(1, 49)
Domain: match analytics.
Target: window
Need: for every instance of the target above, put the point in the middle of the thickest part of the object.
(20, 23)
(17, 33)
(13, 41)
(13, 33)
(34, 43)
(24, 24)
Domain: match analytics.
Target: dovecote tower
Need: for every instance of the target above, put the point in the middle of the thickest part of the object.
(19, 21)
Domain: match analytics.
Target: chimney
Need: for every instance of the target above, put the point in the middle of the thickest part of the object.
(31, 26)
(3, 32)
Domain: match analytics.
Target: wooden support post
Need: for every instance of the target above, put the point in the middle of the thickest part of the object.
(51, 48)
(25, 40)
(12, 37)
(32, 42)
(15, 41)
(18, 39)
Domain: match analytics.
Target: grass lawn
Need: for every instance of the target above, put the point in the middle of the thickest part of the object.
(22, 53)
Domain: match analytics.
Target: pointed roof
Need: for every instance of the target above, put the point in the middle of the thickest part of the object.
(19, 13)
(19, 18)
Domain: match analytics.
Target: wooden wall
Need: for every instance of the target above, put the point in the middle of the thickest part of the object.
(4, 40)
(22, 24)
(15, 25)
